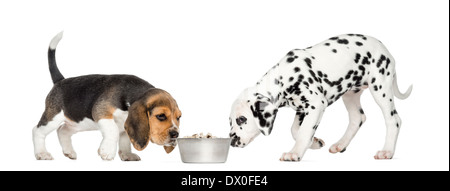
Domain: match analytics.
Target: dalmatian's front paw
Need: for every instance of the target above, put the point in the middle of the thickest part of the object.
(384, 155)
(317, 143)
(291, 157)
(337, 147)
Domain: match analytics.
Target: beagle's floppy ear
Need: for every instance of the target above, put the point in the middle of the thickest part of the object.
(264, 113)
(137, 125)
(169, 149)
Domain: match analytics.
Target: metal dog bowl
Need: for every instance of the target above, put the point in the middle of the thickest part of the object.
(202, 150)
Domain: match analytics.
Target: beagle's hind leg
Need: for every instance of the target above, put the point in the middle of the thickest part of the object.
(65, 133)
(41, 131)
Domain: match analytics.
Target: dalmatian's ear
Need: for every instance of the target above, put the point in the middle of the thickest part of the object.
(264, 113)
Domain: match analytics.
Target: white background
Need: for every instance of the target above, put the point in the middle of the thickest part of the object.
(205, 53)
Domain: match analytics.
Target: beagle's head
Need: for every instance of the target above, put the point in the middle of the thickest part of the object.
(154, 117)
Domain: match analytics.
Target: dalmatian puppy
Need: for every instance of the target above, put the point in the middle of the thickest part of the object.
(309, 80)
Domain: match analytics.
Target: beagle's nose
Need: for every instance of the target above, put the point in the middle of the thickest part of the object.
(173, 134)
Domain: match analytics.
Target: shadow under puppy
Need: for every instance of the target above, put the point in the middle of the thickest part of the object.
(116, 105)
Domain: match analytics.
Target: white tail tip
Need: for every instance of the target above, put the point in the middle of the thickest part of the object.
(56, 40)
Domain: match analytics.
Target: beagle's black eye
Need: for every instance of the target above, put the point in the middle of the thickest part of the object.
(240, 120)
(178, 118)
(161, 117)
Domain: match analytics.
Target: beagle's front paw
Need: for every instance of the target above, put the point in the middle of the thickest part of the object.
(44, 156)
(70, 154)
(107, 151)
(291, 157)
(128, 156)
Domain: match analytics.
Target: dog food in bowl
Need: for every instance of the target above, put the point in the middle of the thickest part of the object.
(200, 148)
(207, 136)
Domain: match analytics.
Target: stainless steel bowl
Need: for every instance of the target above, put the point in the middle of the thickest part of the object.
(201, 150)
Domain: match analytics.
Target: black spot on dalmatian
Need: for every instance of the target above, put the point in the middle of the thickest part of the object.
(362, 68)
(290, 53)
(358, 43)
(339, 88)
(373, 80)
(334, 50)
(393, 112)
(296, 69)
(358, 56)
(361, 111)
(349, 85)
(308, 62)
(291, 79)
(314, 76)
(306, 84)
(334, 38)
(387, 62)
(349, 74)
(315, 127)
(320, 73)
(342, 41)
(365, 61)
(327, 44)
(380, 61)
(301, 77)
(290, 59)
(362, 36)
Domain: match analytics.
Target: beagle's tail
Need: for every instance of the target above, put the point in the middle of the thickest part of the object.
(54, 71)
(397, 92)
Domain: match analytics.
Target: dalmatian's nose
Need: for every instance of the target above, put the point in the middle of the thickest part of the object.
(235, 141)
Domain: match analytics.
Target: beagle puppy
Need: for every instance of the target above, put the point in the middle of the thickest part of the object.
(122, 107)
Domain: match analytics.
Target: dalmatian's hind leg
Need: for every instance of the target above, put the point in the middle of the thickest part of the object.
(384, 96)
(356, 119)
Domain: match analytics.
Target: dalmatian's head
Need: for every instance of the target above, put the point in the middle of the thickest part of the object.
(251, 114)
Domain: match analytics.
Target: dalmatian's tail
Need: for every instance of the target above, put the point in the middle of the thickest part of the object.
(397, 92)
(54, 71)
